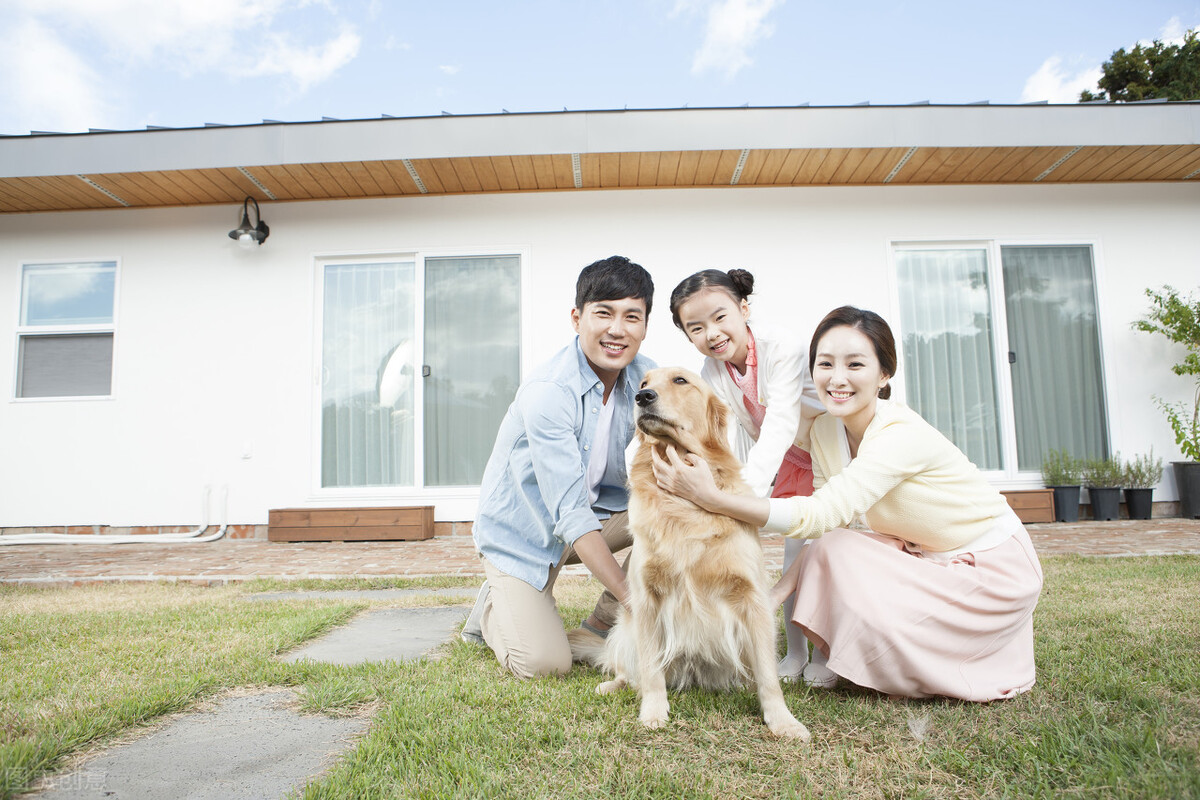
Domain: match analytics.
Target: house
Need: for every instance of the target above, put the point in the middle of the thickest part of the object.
(416, 268)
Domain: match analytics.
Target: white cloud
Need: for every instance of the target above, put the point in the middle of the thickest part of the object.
(47, 82)
(732, 28)
(306, 65)
(1173, 31)
(63, 47)
(1057, 84)
(449, 70)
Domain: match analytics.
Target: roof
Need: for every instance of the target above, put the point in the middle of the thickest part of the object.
(590, 150)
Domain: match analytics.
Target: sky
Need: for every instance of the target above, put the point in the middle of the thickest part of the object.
(75, 65)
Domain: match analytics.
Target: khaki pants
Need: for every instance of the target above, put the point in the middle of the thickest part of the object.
(522, 625)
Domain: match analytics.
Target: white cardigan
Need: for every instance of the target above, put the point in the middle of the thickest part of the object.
(785, 389)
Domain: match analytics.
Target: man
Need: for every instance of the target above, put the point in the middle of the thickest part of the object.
(553, 491)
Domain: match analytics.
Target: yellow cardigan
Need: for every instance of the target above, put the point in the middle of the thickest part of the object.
(908, 481)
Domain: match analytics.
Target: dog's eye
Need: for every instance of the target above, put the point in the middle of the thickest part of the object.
(643, 386)
(680, 380)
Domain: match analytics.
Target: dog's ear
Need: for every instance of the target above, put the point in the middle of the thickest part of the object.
(717, 416)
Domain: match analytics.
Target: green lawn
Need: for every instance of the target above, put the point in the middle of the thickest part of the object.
(1115, 713)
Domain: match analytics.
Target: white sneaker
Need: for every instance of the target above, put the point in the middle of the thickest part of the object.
(472, 629)
(819, 676)
(791, 667)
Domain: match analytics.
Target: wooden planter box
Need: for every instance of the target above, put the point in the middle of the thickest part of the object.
(1032, 505)
(349, 524)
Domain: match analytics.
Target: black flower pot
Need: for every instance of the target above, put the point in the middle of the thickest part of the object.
(1187, 481)
(1066, 503)
(1139, 503)
(1106, 502)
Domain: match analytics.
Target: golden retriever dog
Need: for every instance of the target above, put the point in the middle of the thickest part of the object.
(698, 611)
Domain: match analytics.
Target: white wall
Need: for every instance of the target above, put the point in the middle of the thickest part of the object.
(215, 345)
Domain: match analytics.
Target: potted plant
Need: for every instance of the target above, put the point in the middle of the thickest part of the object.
(1061, 472)
(1103, 478)
(1142, 474)
(1178, 318)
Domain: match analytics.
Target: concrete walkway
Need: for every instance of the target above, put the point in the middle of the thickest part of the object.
(238, 560)
(246, 748)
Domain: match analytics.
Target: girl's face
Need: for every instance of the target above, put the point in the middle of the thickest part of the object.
(716, 324)
(848, 376)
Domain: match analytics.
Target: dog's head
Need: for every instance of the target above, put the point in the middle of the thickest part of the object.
(677, 406)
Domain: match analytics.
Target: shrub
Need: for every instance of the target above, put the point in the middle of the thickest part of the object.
(1143, 472)
(1178, 318)
(1103, 473)
(1060, 468)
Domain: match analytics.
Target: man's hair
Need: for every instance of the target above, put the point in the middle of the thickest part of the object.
(614, 278)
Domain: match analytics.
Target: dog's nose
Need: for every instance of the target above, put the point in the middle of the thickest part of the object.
(645, 397)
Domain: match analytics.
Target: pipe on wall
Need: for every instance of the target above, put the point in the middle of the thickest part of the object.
(154, 538)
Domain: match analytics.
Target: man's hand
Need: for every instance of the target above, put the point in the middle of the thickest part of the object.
(594, 553)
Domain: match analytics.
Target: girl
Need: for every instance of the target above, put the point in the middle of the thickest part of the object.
(938, 597)
(762, 374)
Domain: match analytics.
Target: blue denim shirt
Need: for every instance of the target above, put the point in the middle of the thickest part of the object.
(533, 500)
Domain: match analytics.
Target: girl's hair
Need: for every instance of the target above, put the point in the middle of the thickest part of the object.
(737, 282)
(873, 327)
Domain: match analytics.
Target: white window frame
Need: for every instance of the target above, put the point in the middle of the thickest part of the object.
(453, 502)
(1009, 476)
(24, 331)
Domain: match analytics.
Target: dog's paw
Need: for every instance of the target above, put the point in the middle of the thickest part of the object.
(654, 712)
(789, 728)
(608, 687)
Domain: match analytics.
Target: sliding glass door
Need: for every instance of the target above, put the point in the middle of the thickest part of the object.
(419, 361)
(1001, 349)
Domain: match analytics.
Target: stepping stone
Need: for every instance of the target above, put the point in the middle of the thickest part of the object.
(394, 634)
(466, 592)
(247, 747)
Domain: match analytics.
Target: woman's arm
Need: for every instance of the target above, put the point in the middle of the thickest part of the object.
(692, 480)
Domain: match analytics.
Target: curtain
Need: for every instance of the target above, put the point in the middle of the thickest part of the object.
(948, 347)
(1058, 392)
(367, 412)
(472, 351)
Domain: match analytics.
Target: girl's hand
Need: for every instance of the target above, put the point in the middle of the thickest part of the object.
(687, 476)
(780, 592)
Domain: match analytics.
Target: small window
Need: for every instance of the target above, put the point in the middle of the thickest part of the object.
(65, 337)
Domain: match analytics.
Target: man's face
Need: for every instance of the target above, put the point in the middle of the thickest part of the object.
(610, 333)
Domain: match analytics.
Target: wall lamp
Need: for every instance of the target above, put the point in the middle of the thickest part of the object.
(244, 235)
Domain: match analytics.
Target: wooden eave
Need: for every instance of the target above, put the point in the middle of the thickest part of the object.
(537, 153)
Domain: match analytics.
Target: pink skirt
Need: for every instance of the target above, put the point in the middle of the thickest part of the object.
(908, 625)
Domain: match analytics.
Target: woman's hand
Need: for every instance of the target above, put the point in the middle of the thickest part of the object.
(685, 476)
(689, 477)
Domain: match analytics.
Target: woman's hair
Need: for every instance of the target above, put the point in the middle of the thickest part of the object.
(738, 283)
(872, 326)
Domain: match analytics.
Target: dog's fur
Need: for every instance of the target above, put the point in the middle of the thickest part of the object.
(698, 608)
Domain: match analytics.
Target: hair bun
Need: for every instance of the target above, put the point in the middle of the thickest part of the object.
(743, 281)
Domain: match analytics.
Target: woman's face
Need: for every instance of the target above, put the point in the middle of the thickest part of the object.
(716, 325)
(848, 376)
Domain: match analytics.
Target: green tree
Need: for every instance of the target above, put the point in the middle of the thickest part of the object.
(1170, 71)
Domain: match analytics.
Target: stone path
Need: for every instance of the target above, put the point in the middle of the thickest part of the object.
(389, 634)
(258, 746)
(237, 560)
(246, 748)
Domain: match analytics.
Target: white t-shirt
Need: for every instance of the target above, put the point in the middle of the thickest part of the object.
(598, 461)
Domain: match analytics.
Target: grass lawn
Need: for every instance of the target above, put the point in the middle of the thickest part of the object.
(1115, 712)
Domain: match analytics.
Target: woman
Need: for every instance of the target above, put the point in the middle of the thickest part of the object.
(762, 375)
(937, 597)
